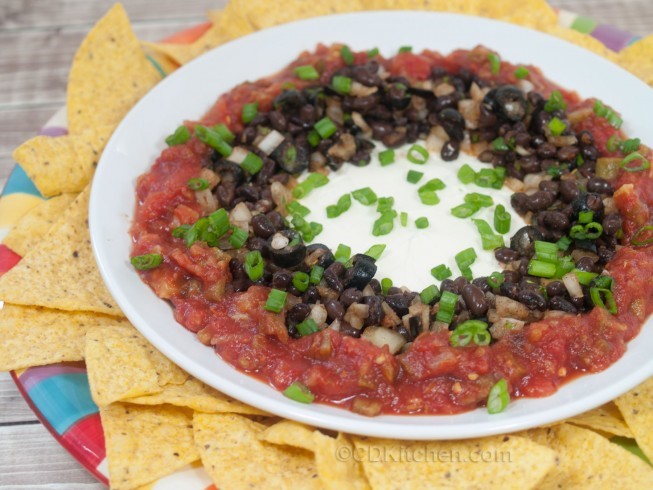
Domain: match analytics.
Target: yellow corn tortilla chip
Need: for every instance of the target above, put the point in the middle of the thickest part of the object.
(636, 406)
(499, 462)
(169, 373)
(33, 336)
(530, 13)
(144, 444)
(65, 163)
(587, 460)
(118, 365)
(582, 40)
(27, 233)
(61, 272)
(196, 395)
(464, 7)
(336, 469)
(109, 74)
(289, 433)
(262, 13)
(235, 458)
(638, 59)
(605, 419)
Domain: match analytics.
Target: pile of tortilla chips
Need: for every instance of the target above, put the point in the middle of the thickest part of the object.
(156, 418)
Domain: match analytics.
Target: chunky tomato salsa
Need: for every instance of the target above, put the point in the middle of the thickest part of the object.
(221, 234)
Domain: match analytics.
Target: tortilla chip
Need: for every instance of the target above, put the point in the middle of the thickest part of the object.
(464, 7)
(262, 13)
(33, 336)
(196, 395)
(109, 74)
(605, 419)
(289, 433)
(636, 406)
(582, 40)
(499, 462)
(236, 459)
(144, 444)
(587, 460)
(169, 373)
(118, 365)
(530, 13)
(61, 272)
(638, 59)
(27, 233)
(336, 469)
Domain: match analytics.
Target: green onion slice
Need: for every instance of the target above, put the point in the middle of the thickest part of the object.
(325, 127)
(146, 261)
(470, 331)
(179, 137)
(300, 280)
(644, 164)
(441, 272)
(343, 252)
(422, 222)
(502, 219)
(643, 236)
(604, 298)
(495, 63)
(556, 102)
(384, 224)
(365, 196)
(252, 163)
(375, 251)
(489, 239)
(249, 112)
(495, 280)
(197, 184)
(539, 268)
(403, 218)
(387, 157)
(299, 392)
(341, 84)
(521, 73)
(347, 55)
(466, 174)
(386, 284)
(414, 176)
(465, 210)
(465, 258)
(295, 208)
(429, 294)
(307, 327)
(276, 300)
(238, 237)
(306, 72)
(447, 308)
(417, 154)
(557, 126)
(480, 200)
(499, 397)
(316, 274)
(254, 265)
(213, 139)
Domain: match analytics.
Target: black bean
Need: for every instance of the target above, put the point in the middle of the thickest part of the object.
(561, 304)
(588, 201)
(262, 226)
(226, 193)
(277, 220)
(529, 164)
(409, 336)
(332, 276)
(506, 255)
(511, 276)
(524, 240)
(365, 104)
(375, 312)
(585, 264)
(237, 269)
(556, 288)
(307, 114)
(590, 152)
(533, 299)
(475, 300)
(537, 140)
(258, 243)
(348, 330)
(298, 313)
(585, 138)
(556, 220)
(568, 190)
(334, 309)
(453, 123)
(605, 254)
(520, 202)
(278, 121)
(587, 169)
(567, 153)
(448, 101)
(612, 224)
(450, 151)
(281, 279)
(600, 186)
(481, 283)
(523, 266)
(448, 285)
(540, 200)
(460, 282)
(394, 290)
(509, 289)
(399, 303)
(546, 150)
(365, 75)
(240, 285)
(350, 296)
(375, 285)
(486, 156)
(312, 295)
(549, 186)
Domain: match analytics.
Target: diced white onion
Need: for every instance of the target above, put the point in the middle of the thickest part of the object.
(360, 90)
(238, 155)
(270, 142)
(380, 336)
(525, 86)
(279, 241)
(570, 280)
(240, 216)
(319, 314)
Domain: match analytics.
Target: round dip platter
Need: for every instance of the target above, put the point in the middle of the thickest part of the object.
(189, 92)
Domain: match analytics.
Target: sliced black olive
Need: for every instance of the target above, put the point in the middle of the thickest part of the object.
(361, 272)
(291, 254)
(289, 100)
(588, 201)
(229, 172)
(508, 102)
(319, 254)
(524, 240)
(292, 156)
(453, 123)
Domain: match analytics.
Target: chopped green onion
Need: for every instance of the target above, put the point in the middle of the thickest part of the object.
(637, 157)
(307, 327)
(488, 177)
(447, 307)
(343, 204)
(422, 222)
(539, 268)
(432, 185)
(464, 210)
(384, 224)
(197, 184)
(325, 128)
(405, 49)
(180, 231)
(365, 196)
(343, 252)
(385, 204)
(316, 274)
(597, 295)
(589, 231)
(465, 258)
(341, 84)
(564, 266)
(489, 239)
(585, 217)
(313, 138)
(557, 126)
(546, 251)
(470, 331)
(429, 294)
(299, 392)
(499, 397)
(219, 222)
(276, 300)
(249, 112)
(643, 236)
(387, 157)
(254, 265)
(502, 219)
(521, 73)
(466, 174)
(213, 139)
(495, 63)
(428, 198)
(605, 112)
(300, 280)
(179, 137)
(386, 284)
(613, 143)
(224, 132)
(563, 243)
(306, 72)
(196, 231)
(238, 237)
(417, 154)
(414, 176)
(480, 200)
(603, 282)
(495, 280)
(403, 218)
(146, 261)
(294, 207)
(556, 102)
(375, 251)
(467, 274)
(252, 163)
(499, 144)
(347, 55)
(441, 272)
(584, 277)
(313, 181)
(372, 52)
(630, 145)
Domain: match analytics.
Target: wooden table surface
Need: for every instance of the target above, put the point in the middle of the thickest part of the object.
(39, 38)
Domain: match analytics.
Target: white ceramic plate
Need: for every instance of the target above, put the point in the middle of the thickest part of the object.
(188, 94)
